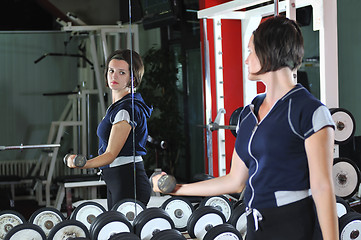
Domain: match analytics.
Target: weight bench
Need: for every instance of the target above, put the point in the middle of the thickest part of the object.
(67, 183)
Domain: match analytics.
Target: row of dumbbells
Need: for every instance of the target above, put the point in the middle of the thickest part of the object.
(176, 218)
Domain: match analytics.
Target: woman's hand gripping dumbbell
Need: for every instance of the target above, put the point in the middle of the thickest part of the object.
(74, 161)
(162, 182)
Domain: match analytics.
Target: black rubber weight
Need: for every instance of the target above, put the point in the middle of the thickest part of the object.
(106, 218)
(168, 234)
(25, 231)
(226, 230)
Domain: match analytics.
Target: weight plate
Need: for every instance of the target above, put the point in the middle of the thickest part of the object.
(346, 177)
(151, 221)
(109, 223)
(130, 208)
(179, 209)
(233, 120)
(8, 220)
(46, 218)
(124, 236)
(237, 203)
(238, 219)
(222, 203)
(87, 212)
(345, 125)
(167, 234)
(350, 226)
(223, 231)
(202, 219)
(26, 231)
(342, 206)
(69, 229)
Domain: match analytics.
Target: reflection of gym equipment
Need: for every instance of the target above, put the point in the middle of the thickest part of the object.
(64, 55)
(345, 172)
(21, 147)
(346, 177)
(73, 115)
(35, 174)
(345, 125)
(76, 113)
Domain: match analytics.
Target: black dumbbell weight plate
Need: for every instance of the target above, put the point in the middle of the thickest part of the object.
(69, 229)
(86, 212)
(179, 209)
(124, 236)
(346, 177)
(150, 221)
(350, 226)
(25, 231)
(202, 219)
(222, 203)
(342, 206)
(46, 218)
(345, 125)
(223, 231)
(238, 219)
(130, 208)
(109, 223)
(8, 220)
(233, 120)
(168, 234)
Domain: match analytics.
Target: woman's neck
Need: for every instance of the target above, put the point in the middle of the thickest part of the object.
(117, 95)
(278, 83)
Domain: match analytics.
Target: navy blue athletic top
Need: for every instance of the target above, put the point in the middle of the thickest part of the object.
(122, 110)
(273, 149)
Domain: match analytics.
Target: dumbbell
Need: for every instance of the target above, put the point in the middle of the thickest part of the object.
(166, 183)
(78, 161)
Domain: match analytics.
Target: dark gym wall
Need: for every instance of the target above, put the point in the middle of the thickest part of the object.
(349, 58)
(25, 113)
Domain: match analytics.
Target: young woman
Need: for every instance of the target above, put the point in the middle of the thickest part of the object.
(284, 148)
(116, 159)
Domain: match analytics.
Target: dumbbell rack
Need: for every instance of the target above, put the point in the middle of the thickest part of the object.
(74, 115)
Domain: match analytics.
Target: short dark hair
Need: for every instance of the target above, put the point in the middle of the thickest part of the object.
(132, 58)
(278, 43)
